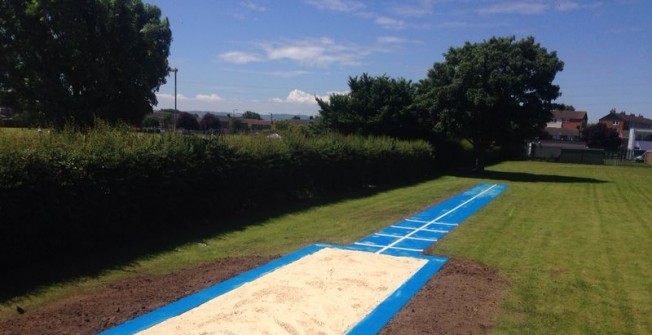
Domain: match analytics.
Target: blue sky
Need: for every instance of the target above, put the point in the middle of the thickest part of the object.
(275, 56)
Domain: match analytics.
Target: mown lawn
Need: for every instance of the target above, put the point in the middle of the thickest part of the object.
(573, 240)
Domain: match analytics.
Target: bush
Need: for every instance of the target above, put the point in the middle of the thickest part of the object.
(79, 191)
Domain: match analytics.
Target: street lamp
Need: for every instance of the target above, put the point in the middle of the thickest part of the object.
(175, 70)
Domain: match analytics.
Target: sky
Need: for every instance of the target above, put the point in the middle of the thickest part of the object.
(276, 56)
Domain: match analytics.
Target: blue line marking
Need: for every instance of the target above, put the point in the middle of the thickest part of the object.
(432, 223)
(407, 237)
(376, 320)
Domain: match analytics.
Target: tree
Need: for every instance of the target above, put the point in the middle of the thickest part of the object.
(251, 115)
(601, 136)
(64, 61)
(374, 106)
(187, 121)
(150, 121)
(168, 117)
(498, 92)
(563, 107)
(210, 122)
(236, 126)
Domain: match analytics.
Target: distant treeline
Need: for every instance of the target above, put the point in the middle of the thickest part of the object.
(76, 191)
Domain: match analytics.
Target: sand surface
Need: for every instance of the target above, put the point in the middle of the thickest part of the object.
(327, 292)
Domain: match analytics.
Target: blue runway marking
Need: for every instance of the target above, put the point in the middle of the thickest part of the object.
(417, 232)
(408, 237)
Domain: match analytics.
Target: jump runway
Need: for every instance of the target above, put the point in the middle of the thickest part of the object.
(322, 289)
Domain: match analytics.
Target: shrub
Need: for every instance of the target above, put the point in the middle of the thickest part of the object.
(78, 191)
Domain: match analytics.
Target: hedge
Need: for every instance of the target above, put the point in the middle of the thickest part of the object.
(75, 191)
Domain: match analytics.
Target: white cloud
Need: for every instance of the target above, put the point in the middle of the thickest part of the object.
(300, 97)
(532, 7)
(315, 52)
(170, 97)
(208, 97)
(390, 23)
(238, 57)
(287, 74)
(337, 5)
(394, 40)
(566, 5)
(516, 7)
(253, 6)
(418, 9)
(359, 9)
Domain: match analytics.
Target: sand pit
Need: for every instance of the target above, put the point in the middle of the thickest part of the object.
(326, 292)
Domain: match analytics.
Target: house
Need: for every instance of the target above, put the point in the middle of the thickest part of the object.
(567, 119)
(623, 122)
(567, 125)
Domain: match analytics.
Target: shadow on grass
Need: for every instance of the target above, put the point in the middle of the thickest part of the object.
(31, 279)
(528, 177)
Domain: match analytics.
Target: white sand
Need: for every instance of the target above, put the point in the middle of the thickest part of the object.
(327, 292)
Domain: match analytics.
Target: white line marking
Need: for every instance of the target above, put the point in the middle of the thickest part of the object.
(386, 247)
(391, 245)
(446, 224)
(428, 230)
(417, 221)
(430, 222)
(409, 238)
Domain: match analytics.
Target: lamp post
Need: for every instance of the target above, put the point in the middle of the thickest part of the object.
(175, 70)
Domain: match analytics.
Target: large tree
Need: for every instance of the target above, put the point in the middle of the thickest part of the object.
(601, 136)
(210, 122)
(374, 106)
(497, 92)
(74, 61)
(251, 115)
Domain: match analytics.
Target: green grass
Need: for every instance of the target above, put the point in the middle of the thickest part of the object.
(573, 241)
(577, 252)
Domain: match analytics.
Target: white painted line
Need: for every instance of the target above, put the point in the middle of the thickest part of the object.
(430, 222)
(445, 224)
(417, 221)
(386, 247)
(391, 245)
(428, 230)
(409, 238)
(441, 223)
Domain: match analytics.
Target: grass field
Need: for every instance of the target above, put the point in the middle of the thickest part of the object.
(573, 240)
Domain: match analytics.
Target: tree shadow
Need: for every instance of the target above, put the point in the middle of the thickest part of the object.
(31, 279)
(528, 177)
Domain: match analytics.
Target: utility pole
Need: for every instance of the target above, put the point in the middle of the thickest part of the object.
(176, 111)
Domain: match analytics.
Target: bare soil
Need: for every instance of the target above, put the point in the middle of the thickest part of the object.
(462, 298)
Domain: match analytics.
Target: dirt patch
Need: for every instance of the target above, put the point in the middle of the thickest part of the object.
(461, 299)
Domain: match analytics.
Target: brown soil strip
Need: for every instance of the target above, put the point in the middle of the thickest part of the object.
(462, 298)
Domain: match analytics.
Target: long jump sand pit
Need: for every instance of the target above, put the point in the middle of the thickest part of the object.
(325, 292)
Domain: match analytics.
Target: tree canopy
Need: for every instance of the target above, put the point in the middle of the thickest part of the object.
(496, 92)
(210, 122)
(601, 136)
(374, 106)
(74, 61)
(251, 115)
(187, 121)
